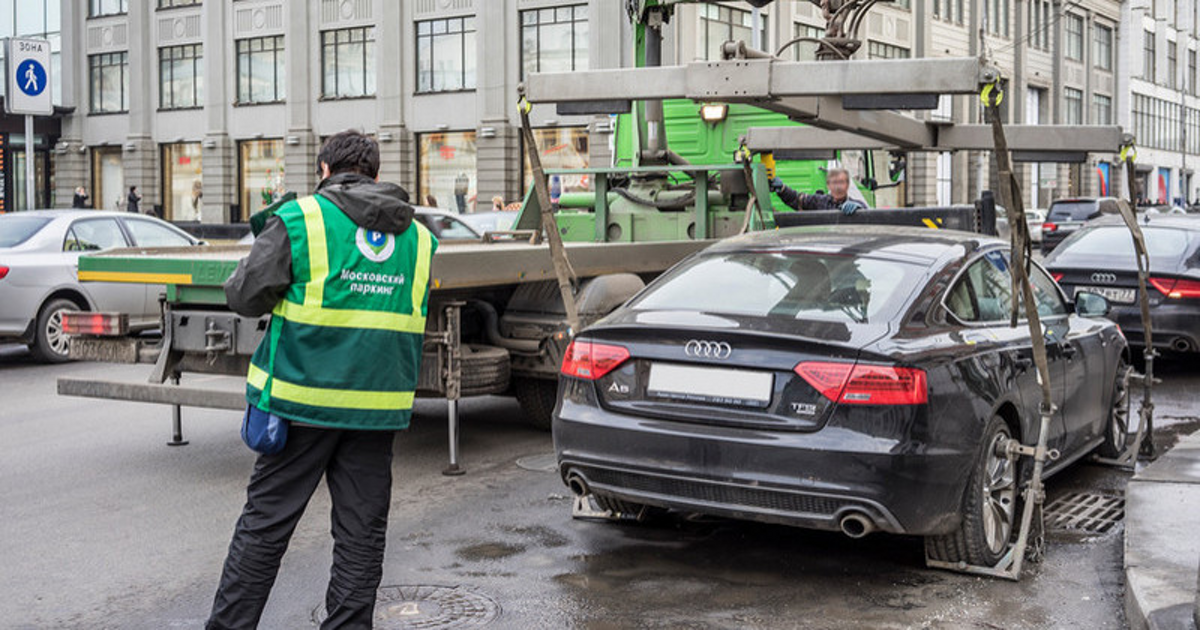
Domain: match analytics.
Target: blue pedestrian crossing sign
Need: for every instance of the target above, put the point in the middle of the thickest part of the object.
(27, 69)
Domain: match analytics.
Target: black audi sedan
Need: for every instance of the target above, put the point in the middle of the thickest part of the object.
(828, 378)
(1099, 259)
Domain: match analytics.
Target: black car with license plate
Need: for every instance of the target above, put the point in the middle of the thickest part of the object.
(821, 377)
(1099, 259)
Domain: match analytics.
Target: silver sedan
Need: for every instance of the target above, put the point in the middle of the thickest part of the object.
(39, 254)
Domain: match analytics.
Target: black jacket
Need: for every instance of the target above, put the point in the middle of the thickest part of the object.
(800, 201)
(262, 278)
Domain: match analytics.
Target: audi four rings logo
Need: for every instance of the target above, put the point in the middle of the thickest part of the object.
(707, 349)
(1106, 278)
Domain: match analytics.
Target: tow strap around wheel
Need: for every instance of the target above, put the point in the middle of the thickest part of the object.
(1030, 537)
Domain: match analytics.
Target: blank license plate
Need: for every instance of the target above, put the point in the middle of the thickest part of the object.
(711, 385)
(1122, 296)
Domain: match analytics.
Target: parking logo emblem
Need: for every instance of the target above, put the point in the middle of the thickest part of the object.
(375, 245)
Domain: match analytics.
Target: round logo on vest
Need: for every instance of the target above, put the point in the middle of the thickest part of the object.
(375, 245)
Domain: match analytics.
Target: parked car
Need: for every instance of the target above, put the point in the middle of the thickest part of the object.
(1099, 258)
(492, 221)
(39, 252)
(1033, 218)
(833, 379)
(1064, 216)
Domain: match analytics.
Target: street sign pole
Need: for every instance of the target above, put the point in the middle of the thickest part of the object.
(30, 170)
(27, 72)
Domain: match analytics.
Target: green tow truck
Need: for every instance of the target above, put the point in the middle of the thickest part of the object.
(498, 321)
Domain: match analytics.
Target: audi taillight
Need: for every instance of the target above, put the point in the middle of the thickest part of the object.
(1177, 289)
(3, 271)
(98, 324)
(1057, 277)
(858, 384)
(591, 361)
(1049, 227)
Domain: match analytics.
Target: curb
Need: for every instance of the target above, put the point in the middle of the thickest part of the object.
(1162, 547)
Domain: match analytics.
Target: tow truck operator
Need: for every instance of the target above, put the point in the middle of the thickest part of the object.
(837, 182)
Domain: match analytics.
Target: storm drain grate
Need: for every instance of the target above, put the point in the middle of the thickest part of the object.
(1085, 512)
(425, 607)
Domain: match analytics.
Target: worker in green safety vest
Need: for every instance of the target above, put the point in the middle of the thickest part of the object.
(345, 276)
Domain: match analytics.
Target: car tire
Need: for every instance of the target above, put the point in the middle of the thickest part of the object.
(990, 507)
(485, 370)
(537, 398)
(49, 343)
(1116, 426)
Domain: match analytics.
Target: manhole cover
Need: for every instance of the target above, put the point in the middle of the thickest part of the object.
(428, 608)
(539, 463)
(1085, 512)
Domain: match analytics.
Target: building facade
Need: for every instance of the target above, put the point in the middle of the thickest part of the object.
(1159, 45)
(214, 107)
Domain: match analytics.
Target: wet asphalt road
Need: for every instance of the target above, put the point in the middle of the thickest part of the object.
(103, 526)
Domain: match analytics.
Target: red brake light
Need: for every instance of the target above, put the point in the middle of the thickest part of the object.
(1177, 289)
(852, 384)
(591, 361)
(1057, 277)
(99, 324)
(1049, 227)
(3, 271)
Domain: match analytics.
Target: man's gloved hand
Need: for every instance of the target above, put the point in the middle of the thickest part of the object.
(768, 162)
(775, 184)
(850, 206)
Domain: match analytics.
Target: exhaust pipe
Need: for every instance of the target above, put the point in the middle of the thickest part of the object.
(577, 485)
(1181, 344)
(856, 525)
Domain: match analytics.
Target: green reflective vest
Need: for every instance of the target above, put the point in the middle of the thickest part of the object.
(343, 349)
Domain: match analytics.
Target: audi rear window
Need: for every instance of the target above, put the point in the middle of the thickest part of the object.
(16, 229)
(1115, 242)
(1073, 211)
(814, 286)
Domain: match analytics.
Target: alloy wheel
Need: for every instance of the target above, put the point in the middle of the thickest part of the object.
(999, 495)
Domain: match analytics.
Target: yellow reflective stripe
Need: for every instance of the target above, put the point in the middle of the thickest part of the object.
(318, 252)
(134, 277)
(333, 398)
(349, 318)
(421, 273)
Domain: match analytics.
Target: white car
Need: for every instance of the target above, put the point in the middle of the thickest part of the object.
(1034, 219)
(39, 254)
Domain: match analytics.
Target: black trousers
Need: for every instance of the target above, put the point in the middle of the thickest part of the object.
(357, 466)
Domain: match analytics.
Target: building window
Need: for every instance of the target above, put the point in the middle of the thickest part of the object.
(260, 65)
(446, 55)
(1103, 44)
(181, 76)
(554, 40)
(182, 181)
(260, 174)
(1073, 111)
(108, 177)
(1074, 43)
(806, 51)
(1040, 24)
(719, 24)
(348, 62)
(167, 4)
(945, 178)
(1148, 56)
(1191, 72)
(1102, 109)
(998, 16)
(948, 10)
(561, 147)
(880, 50)
(109, 75)
(446, 170)
(98, 8)
(1172, 64)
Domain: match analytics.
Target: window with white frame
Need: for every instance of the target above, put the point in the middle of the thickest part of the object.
(720, 24)
(1102, 39)
(446, 55)
(806, 51)
(554, 39)
(945, 178)
(348, 62)
(1074, 41)
(1073, 106)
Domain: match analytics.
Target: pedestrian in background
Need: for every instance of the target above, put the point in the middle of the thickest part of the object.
(132, 204)
(338, 383)
(497, 204)
(81, 198)
(462, 184)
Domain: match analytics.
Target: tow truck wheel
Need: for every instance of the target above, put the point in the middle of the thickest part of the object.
(989, 517)
(1116, 430)
(537, 398)
(49, 342)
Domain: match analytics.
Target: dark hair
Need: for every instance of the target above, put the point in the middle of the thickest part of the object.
(132, 188)
(350, 152)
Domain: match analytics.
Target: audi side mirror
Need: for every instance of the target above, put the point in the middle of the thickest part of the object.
(1088, 304)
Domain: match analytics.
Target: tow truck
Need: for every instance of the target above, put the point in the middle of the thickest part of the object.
(503, 311)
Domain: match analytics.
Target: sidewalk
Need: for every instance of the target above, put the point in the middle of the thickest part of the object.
(1162, 541)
